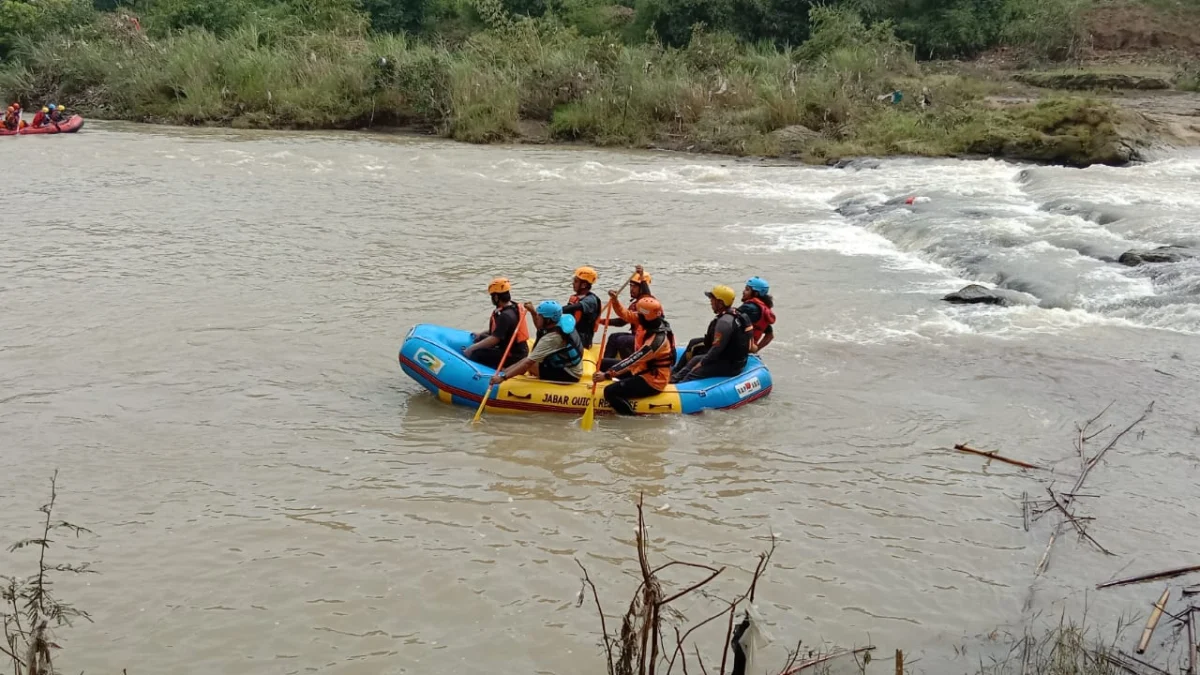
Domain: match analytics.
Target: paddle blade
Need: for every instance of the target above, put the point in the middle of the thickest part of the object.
(589, 415)
(482, 404)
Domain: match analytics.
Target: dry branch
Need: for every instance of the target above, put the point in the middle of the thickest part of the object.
(600, 610)
(1025, 509)
(1074, 521)
(1142, 663)
(640, 646)
(1154, 576)
(1064, 499)
(1089, 464)
(816, 661)
(1152, 622)
(991, 454)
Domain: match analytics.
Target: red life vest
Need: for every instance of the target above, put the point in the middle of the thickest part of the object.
(766, 318)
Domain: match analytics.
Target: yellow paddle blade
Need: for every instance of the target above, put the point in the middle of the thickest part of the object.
(482, 404)
(589, 415)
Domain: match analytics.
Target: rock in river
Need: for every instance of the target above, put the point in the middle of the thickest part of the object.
(1162, 254)
(975, 294)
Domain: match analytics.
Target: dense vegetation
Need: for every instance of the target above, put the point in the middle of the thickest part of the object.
(770, 77)
(935, 28)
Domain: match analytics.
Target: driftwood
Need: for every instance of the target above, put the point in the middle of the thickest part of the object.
(1025, 509)
(1191, 634)
(1152, 622)
(816, 661)
(1046, 556)
(991, 454)
(1191, 590)
(1154, 576)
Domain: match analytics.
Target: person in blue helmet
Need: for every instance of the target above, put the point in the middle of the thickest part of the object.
(557, 355)
(758, 307)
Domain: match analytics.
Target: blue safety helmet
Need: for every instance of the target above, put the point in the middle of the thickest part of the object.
(759, 285)
(51, 107)
(549, 309)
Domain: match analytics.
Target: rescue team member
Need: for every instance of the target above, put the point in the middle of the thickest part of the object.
(40, 119)
(648, 370)
(584, 305)
(621, 345)
(557, 355)
(758, 308)
(488, 348)
(725, 348)
(12, 117)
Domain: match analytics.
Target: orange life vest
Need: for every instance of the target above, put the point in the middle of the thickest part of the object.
(522, 330)
(654, 367)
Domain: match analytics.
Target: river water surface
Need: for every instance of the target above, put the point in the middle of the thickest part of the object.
(199, 329)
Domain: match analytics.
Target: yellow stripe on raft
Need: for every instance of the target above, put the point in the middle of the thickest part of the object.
(524, 393)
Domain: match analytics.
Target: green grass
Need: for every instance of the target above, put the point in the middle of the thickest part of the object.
(717, 94)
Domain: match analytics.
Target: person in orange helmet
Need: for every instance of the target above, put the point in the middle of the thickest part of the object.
(507, 320)
(12, 117)
(585, 305)
(621, 345)
(646, 371)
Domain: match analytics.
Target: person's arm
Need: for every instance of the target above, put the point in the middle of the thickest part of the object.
(547, 345)
(489, 341)
(588, 303)
(518, 368)
(763, 341)
(646, 352)
(722, 335)
(505, 328)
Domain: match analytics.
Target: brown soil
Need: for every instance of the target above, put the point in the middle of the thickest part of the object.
(1137, 30)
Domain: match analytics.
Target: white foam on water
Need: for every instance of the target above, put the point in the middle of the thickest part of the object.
(843, 238)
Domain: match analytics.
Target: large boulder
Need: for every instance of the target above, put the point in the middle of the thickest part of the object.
(1162, 254)
(975, 294)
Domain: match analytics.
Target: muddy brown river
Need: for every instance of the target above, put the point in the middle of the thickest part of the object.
(199, 330)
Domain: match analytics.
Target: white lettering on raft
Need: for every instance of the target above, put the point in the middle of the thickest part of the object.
(748, 387)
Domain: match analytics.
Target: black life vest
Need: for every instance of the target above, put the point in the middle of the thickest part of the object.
(571, 354)
(737, 352)
(585, 320)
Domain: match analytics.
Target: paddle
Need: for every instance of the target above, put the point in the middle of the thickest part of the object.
(503, 358)
(589, 415)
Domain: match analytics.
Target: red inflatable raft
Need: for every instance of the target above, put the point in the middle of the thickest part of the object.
(73, 124)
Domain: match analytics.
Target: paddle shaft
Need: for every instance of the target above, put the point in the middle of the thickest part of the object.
(503, 358)
(604, 333)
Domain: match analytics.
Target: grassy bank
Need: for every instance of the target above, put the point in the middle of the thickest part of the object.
(539, 79)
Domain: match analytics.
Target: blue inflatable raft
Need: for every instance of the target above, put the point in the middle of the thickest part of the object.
(432, 355)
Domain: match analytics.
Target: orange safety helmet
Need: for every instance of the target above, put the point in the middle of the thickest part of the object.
(649, 308)
(587, 274)
(499, 285)
(643, 278)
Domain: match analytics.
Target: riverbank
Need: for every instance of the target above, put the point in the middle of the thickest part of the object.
(849, 91)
